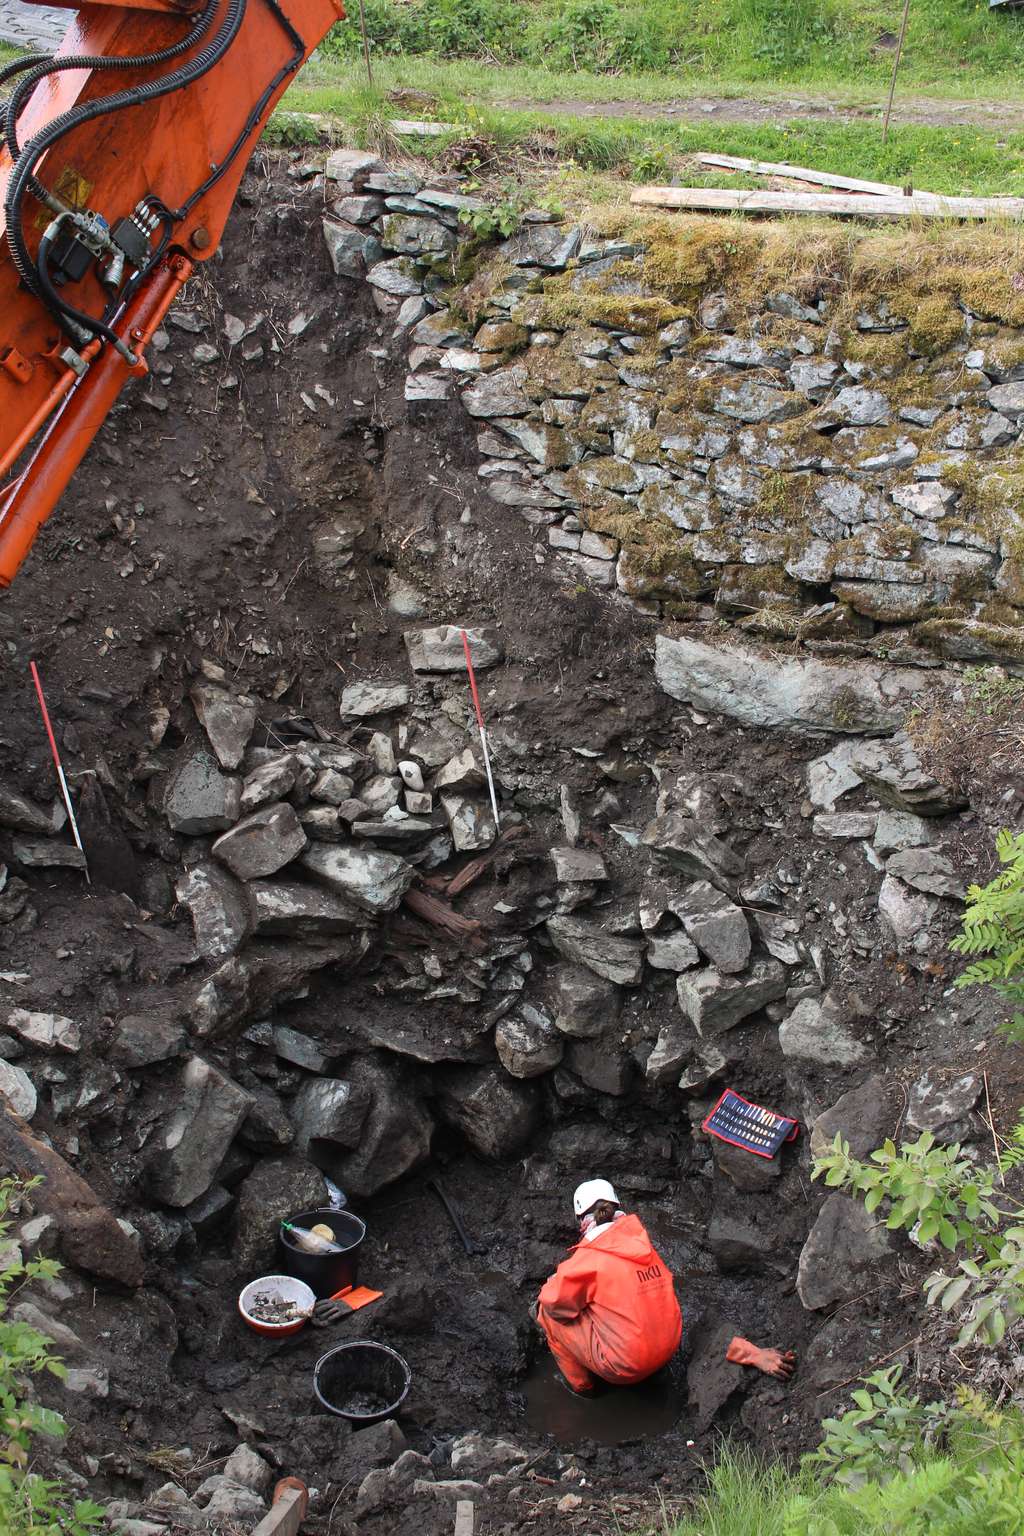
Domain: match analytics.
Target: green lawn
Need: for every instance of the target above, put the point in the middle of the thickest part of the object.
(595, 158)
(653, 49)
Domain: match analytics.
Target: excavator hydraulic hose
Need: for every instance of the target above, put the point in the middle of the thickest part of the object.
(24, 168)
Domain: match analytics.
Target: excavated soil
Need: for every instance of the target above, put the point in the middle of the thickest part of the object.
(187, 535)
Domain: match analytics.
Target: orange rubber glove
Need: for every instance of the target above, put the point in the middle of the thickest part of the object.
(772, 1362)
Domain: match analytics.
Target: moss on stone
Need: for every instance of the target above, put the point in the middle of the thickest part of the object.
(1005, 352)
(968, 638)
(935, 324)
(889, 351)
(643, 446)
(782, 499)
(569, 301)
(656, 569)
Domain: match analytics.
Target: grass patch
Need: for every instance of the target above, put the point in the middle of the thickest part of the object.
(970, 1488)
(599, 154)
(805, 42)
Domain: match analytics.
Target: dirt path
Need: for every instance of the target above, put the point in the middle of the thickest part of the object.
(996, 116)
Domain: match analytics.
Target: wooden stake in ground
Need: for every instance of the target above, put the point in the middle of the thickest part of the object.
(895, 68)
(366, 41)
(59, 767)
(287, 1511)
(464, 1517)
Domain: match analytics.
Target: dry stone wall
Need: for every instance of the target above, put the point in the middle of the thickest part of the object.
(805, 492)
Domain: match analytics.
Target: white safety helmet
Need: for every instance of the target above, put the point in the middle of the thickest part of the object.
(587, 1195)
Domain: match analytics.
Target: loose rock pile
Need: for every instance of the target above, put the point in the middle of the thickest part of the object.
(618, 951)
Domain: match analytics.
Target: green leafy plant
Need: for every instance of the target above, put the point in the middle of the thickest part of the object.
(939, 1195)
(952, 1470)
(291, 130)
(496, 221)
(930, 1188)
(30, 1505)
(882, 1433)
(650, 164)
(993, 928)
(993, 691)
(991, 1291)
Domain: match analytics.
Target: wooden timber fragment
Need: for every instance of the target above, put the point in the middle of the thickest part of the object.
(441, 915)
(472, 871)
(852, 205)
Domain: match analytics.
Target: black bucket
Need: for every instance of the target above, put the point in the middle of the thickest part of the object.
(324, 1273)
(361, 1382)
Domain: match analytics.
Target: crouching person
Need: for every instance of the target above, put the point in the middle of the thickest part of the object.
(609, 1312)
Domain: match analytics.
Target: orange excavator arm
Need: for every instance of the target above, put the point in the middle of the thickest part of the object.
(122, 157)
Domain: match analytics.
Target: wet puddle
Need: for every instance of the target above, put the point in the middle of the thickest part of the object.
(617, 1415)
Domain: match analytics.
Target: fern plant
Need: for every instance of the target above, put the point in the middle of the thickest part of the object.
(1012, 1155)
(993, 930)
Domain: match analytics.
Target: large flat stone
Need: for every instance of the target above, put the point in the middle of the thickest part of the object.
(583, 1004)
(495, 1113)
(219, 906)
(715, 1003)
(894, 773)
(21, 814)
(228, 722)
(328, 1113)
(198, 798)
(615, 959)
(360, 700)
(816, 1031)
(441, 649)
(372, 880)
(805, 694)
(288, 909)
(527, 1042)
(46, 1031)
(687, 844)
(716, 925)
(842, 1248)
(861, 1117)
(262, 843)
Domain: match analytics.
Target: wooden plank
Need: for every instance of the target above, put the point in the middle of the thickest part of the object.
(800, 173)
(464, 1517)
(853, 205)
(286, 1513)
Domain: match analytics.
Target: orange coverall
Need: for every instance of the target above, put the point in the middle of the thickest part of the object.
(610, 1311)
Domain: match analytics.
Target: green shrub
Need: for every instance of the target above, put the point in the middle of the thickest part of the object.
(938, 1195)
(30, 1505)
(930, 1188)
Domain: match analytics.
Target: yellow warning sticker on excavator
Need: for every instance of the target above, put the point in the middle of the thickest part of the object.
(72, 188)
